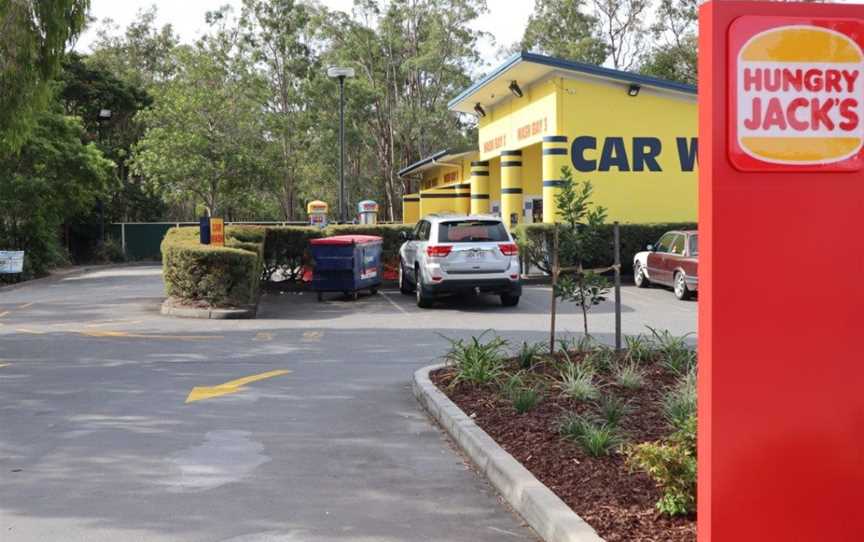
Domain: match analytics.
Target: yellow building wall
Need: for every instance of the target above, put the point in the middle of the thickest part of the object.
(532, 180)
(605, 111)
(410, 208)
(437, 200)
(519, 122)
(576, 108)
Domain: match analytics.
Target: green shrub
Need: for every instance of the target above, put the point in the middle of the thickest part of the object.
(672, 466)
(577, 382)
(110, 251)
(477, 361)
(220, 276)
(597, 440)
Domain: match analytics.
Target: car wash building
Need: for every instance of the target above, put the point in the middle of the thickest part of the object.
(632, 136)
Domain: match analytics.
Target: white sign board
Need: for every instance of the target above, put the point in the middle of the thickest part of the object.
(11, 262)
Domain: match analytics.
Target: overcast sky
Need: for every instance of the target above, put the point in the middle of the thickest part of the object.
(505, 21)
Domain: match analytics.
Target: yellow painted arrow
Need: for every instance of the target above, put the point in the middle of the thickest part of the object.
(199, 393)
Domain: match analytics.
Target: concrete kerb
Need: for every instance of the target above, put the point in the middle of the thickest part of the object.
(170, 308)
(544, 511)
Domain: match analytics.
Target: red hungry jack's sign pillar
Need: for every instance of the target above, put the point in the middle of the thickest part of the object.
(781, 214)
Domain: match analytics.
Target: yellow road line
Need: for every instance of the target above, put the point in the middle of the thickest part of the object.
(4, 365)
(312, 336)
(263, 336)
(199, 393)
(4, 313)
(111, 322)
(30, 331)
(26, 305)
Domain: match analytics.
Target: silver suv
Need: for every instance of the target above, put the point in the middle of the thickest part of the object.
(448, 254)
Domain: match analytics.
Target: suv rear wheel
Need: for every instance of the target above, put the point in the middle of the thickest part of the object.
(509, 300)
(404, 283)
(424, 301)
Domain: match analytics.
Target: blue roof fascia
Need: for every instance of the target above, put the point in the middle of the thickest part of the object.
(627, 77)
(405, 171)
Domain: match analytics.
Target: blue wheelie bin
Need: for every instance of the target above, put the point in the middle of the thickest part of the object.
(347, 264)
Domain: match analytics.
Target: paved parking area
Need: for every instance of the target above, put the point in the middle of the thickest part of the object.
(324, 442)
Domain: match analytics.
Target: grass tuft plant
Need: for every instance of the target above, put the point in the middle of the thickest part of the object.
(679, 404)
(524, 399)
(612, 410)
(477, 361)
(577, 381)
(601, 358)
(597, 440)
(517, 391)
(529, 353)
(629, 375)
(639, 348)
(676, 354)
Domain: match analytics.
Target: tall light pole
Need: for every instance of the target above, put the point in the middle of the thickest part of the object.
(341, 74)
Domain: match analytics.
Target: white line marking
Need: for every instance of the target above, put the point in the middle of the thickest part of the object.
(387, 297)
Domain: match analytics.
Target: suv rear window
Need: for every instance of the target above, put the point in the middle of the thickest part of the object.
(472, 231)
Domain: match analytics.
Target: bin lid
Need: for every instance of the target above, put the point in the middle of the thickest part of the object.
(346, 240)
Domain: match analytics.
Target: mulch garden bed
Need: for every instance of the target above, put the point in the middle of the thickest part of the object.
(618, 502)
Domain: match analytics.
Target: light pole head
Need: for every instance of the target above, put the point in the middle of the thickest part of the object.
(340, 73)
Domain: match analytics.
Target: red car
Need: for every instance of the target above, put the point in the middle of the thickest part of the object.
(673, 262)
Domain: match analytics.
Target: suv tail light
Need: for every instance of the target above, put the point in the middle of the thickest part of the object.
(438, 251)
(509, 249)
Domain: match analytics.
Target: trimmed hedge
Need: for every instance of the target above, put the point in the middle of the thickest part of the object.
(231, 275)
(534, 240)
(220, 276)
(388, 232)
(286, 249)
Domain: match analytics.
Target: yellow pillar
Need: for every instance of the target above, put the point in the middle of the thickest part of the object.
(410, 208)
(511, 187)
(463, 198)
(480, 188)
(555, 156)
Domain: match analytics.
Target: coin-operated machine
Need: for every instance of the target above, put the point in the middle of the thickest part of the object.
(317, 211)
(368, 212)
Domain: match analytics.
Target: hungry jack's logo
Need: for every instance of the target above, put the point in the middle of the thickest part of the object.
(796, 92)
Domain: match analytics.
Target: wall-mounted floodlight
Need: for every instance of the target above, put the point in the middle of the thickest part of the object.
(515, 89)
(337, 72)
(479, 110)
(633, 91)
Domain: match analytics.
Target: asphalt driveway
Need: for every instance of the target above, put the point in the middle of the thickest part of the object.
(323, 441)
